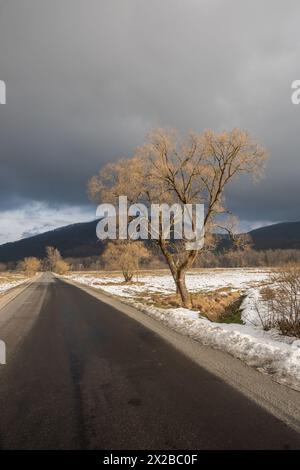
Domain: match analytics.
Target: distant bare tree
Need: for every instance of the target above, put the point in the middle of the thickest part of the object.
(54, 261)
(169, 170)
(30, 265)
(125, 256)
(61, 266)
(53, 256)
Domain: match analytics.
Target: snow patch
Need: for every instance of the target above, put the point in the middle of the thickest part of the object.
(5, 286)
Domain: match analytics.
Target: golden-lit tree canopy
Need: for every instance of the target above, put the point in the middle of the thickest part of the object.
(171, 169)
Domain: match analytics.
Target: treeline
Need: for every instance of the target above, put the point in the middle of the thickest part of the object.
(248, 258)
(226, 259)
(30, 265)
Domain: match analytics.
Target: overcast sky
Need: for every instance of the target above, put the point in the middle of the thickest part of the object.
(88, 79)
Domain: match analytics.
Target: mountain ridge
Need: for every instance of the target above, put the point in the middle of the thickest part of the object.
(80, 240)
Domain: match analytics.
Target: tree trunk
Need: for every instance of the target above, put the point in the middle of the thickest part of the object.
(178, 273)
(127, 276)
(182, 289)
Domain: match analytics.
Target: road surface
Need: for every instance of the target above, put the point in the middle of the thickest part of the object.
(82, 375)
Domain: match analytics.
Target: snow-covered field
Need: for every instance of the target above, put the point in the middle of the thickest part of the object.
(9, 280)
(268, 351)
(162, 282)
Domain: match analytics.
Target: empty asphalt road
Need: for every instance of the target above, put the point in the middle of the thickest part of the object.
(82, 375)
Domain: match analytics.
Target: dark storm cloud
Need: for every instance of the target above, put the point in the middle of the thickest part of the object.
(86, 80)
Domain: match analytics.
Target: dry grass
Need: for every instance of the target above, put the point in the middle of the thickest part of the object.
(220, 305)
(121, 283)
(110, 274)
(8, 276)
(10, 279)
(214, 305)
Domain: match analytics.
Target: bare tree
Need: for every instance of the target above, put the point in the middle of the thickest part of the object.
(61, 266)
(30, 265)
(126, 256)
(54, 261)
(53, 256)
(285, 299)
(169, 170)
